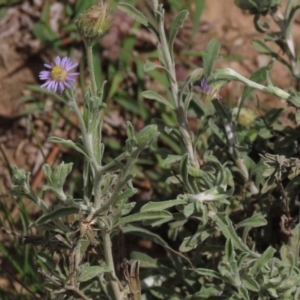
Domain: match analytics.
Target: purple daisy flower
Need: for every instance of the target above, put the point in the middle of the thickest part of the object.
(207, 90)
(58, 77)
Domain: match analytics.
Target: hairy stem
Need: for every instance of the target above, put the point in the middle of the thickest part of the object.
(107, 246)
(89, 55)
(170, 66)
(87, 138)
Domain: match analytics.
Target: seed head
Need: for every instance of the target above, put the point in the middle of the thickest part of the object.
(93, 23)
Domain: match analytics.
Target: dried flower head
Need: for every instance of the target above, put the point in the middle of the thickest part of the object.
(246, 117)
(58, 77)
(94, 21)
(207, 90)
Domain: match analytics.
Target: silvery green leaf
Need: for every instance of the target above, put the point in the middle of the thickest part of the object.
(269, 184)
(57, 213)
(160, 54)
(133, 13)
(145, 260)
(155, 96)
(287, 255)
(129, 130)
(244, 293)
(89, 272)
(229, 250)
(241, 259)
(191, 242)
(20, 182)
(194, 77)
(127, 208)
(258, 76)
(290, 282)
(56, 178)
(149, 66)
(68, 144)
(154, 223)
(144, 233)
(195, 172)
(256, 220)
(80, 250)
(172, 159)
(47, 260)
(161, 205)
(262, 261)
(226, 227)
(155, 5)
(250, 283)
(189, 209)
(209, 273)
(126, 194)
(209, 56)
(296, 240)
(177, 23)
(142, 216)
(213, 194)
(184, 172)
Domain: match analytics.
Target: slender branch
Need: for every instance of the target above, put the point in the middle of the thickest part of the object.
(120, 183)
(170, 66)
(77, 291)
(97, 190)
(89, 54)
(110, 262)
(87, 142)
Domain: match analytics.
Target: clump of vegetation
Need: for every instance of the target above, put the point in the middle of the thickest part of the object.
(233, 221)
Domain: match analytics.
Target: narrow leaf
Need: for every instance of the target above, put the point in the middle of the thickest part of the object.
(58, 213)
(149, 66)
(262, 261)
(90, 272)
(68, 144)
(210, 55)
(161, 205)
(133, 13)
(175, 26)
(209, 273)
(155, 96)
(257, 220)
(142, 216)
(250, 283)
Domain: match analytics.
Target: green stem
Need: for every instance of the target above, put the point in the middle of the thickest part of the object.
(97, 190)
(131, 160)
(87, 138)
(110, 262)
(89, 55)
(170, 66)
(76, 291)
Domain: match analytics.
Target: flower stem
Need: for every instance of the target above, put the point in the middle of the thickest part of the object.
(170, 66)
(89, 54)
(87, 142)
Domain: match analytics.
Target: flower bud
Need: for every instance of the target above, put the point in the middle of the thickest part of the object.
(20, 182)
(93, 23)
(146, 136)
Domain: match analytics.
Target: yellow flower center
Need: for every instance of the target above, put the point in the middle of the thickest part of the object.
(58, 73)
